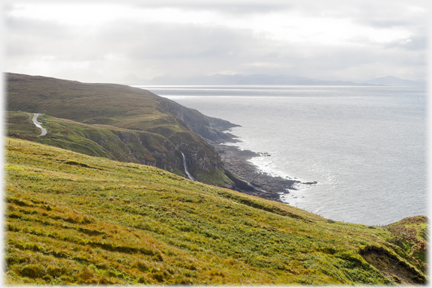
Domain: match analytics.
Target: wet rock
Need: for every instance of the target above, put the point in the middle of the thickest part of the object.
(263, 184)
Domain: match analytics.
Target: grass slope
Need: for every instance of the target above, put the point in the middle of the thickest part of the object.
(93, 140)
(118, 122)
(73, 218)
(122, 144)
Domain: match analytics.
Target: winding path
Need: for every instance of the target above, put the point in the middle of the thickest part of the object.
(38, 124)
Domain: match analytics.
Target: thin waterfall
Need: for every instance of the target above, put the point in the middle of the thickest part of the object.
(185, 167)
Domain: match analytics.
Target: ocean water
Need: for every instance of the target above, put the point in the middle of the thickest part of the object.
(365, 146)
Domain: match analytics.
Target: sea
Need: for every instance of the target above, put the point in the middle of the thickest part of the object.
(364, 145)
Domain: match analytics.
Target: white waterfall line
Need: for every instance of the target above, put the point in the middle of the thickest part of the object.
(185, 168)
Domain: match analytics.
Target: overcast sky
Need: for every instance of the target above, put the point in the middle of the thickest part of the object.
(119, 41)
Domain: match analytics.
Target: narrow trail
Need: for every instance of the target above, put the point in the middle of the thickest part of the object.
(38, 124)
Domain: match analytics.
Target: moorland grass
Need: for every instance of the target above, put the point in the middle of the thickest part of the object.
(118, 122)
(77, 219)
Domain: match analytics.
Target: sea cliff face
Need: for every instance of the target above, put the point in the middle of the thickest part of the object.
(121, 123)
(213, 129)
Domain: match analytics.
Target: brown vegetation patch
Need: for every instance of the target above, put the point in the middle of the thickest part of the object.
(80, 164)
(391, 267)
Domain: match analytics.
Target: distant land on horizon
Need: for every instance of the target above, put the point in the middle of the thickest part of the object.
(262, 79)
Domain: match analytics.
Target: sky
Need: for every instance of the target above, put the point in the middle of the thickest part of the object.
(131, 41)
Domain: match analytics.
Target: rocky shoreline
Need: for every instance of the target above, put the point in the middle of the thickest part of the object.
(260, 184)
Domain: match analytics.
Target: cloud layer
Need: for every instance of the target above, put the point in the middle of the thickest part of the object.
(110, 42)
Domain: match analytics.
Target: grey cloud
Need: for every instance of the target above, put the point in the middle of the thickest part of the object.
(383, 22)
(340, 59)
(196, 42)
(36, 28)
(383, 15)
(183, 48)
(164, 41)
(324, 61)
(414, 43)
(32, 37)
(388, 23)
(233, 7)
(151, 49)
(36, 37)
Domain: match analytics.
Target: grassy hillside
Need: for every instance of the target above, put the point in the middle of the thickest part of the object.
(110, 104)
(118, 122)
(72, 218)
(95, 140)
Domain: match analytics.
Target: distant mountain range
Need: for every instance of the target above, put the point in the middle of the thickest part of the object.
(394, 81)
(262, 79)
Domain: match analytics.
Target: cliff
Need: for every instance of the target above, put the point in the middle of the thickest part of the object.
(118, 122)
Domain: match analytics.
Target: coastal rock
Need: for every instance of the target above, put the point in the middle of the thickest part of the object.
(259, 184)
(310, 183)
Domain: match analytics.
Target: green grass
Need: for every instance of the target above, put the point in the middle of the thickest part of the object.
(121, 144)
(115, 121)
(77, 219)
(20, 124)
(109, 104)
(411, 234)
